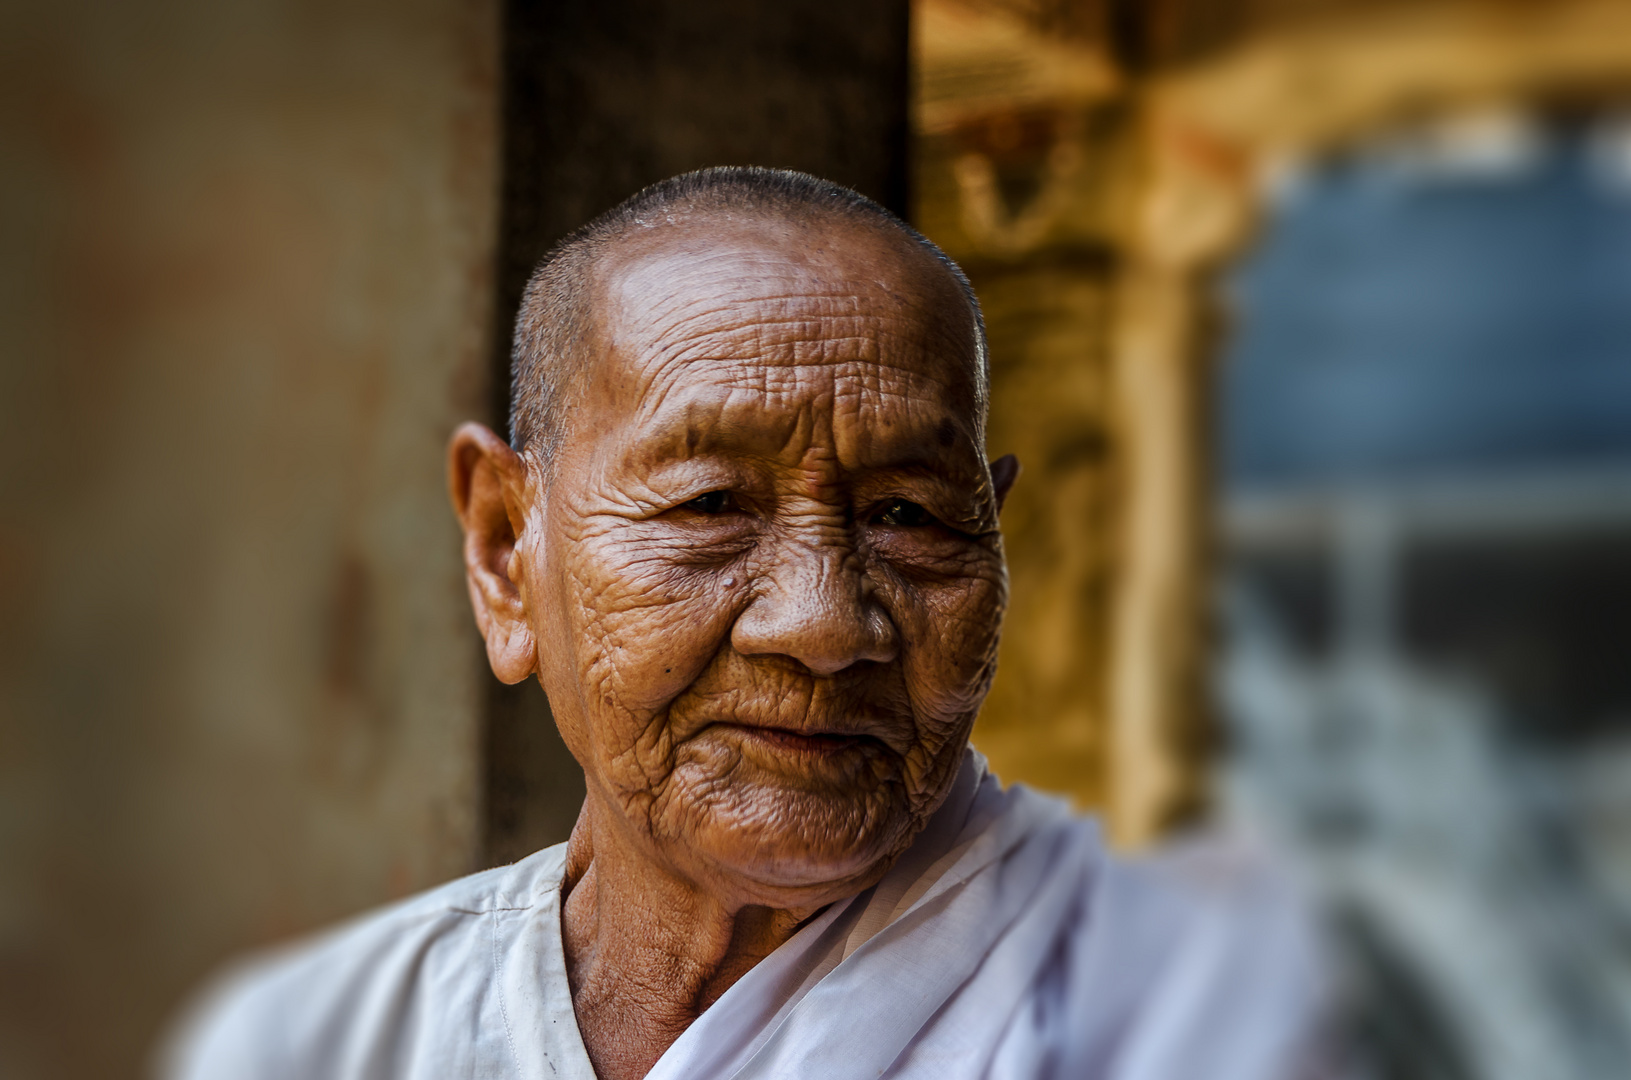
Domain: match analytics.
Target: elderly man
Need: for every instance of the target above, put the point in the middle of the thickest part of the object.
(746, 536)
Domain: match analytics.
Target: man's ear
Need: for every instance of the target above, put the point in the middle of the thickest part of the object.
(487, 482)
(1004, 471)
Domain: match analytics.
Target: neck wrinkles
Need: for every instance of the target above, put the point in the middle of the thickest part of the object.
(647, 952)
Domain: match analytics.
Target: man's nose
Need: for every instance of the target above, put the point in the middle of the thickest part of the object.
(816, 606)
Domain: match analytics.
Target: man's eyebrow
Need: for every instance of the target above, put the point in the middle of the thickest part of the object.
(917, 465)
(683, 437)
(906, 461)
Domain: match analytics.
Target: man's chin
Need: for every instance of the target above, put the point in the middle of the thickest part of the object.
(803, 883)
(789, 847)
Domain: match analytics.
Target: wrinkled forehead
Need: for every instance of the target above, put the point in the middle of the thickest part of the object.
(827, 309)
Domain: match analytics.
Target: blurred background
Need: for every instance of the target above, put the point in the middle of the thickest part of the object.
(1310, 320)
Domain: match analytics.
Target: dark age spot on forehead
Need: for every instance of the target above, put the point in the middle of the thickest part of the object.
(946, 433)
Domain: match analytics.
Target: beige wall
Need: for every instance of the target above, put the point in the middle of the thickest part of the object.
(245, 289)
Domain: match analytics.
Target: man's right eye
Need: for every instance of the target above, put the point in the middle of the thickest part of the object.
(715, 502)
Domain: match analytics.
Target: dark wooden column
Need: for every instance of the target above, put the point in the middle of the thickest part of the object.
(602, 97)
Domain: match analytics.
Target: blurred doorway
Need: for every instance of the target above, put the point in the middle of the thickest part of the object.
(1424, 578)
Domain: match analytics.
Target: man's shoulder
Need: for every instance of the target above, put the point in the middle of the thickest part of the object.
(372, 973)
(412, 924)
(1216, 936)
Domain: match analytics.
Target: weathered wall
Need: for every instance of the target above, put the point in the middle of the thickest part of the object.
(260, 259)
(246, 289)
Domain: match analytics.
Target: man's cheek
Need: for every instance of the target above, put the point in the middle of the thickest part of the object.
(656, 640)
(959, 621)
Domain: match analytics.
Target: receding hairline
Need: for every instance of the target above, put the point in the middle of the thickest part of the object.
(553, 349)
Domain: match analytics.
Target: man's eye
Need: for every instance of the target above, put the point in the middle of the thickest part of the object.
(903, 513)
(715, 502)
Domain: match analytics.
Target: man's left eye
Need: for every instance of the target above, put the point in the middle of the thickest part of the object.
(715, 502)
(903, 513)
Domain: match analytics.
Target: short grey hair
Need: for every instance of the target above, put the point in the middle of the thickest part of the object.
(550, 348)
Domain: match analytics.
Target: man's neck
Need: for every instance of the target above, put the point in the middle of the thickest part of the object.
(646, 951)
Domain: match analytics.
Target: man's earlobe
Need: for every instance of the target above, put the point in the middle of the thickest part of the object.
(1004, 471)
(487, 482)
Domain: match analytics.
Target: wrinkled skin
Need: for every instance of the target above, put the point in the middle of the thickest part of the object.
(761, 583)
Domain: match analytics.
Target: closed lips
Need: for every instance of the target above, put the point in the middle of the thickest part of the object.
(816, 741)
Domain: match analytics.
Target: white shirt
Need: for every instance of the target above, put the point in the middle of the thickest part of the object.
(1006, 943)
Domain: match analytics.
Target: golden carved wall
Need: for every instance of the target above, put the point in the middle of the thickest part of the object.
(1092, 164)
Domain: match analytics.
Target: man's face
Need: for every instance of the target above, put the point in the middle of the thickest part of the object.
(764, 572)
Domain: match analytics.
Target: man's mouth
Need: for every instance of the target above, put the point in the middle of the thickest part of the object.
(806, 742)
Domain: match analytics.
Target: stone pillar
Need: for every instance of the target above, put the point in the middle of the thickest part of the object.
(605, 96)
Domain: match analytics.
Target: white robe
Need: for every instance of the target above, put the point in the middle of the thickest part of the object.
(1006, 943)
